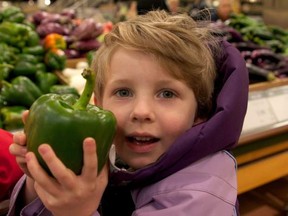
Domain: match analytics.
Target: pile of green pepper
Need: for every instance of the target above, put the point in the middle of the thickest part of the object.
(12, 14)
(26, 68)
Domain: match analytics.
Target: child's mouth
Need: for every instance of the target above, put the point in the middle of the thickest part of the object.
(141, 144)
(142, 140)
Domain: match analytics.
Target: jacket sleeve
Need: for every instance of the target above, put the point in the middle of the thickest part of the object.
(186, 204)
(35, 208)
(10, 172)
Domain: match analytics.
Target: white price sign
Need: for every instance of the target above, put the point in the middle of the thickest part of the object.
(278, 99)
(259, 112)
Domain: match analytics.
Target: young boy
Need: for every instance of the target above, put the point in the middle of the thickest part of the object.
(156, 73)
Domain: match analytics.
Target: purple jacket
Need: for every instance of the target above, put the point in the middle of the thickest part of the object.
(194, 177)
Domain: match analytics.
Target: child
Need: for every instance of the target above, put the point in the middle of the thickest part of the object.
(9, 170)
(156, 73)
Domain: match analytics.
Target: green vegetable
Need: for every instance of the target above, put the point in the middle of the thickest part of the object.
(33, 38)
(3, 103)
(21, 91)
(12, 14)
(5, 70)
(45, 80)
(34, 50)
(14, 34)
(27, 58)
(24, 68)
(8, 54)
(89, 57)
(63, 89)
(64, 122)
(55, 59)
(41, 67)
(12, 117)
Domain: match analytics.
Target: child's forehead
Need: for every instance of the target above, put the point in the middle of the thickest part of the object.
(121, 60)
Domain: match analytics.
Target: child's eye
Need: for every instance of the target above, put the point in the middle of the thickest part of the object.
(167, 94)
(123, 93)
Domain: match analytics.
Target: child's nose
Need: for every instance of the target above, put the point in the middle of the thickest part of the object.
(142, 111)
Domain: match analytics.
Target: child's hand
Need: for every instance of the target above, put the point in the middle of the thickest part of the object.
(68, 194)
(18, 147)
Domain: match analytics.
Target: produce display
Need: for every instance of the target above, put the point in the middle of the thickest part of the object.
(66, 115)
(265, 48)
(80, 35)
(26, 67)
(35, 48)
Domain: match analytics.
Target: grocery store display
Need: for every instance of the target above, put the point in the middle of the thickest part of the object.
(264, 47)
(26, 66)
(54, 114)
(38, 47)
(80, 35)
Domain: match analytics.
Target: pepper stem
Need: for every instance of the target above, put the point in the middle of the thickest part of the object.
(85, 97)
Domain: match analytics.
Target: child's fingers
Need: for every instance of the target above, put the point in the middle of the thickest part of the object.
(39, 174)
(19, 138)
(89, 171)
(17, 150)
(63, 175)
(25, 116)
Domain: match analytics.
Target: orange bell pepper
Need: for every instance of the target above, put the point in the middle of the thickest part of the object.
(54, 41)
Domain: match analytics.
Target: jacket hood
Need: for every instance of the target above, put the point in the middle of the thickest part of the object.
(221, 131)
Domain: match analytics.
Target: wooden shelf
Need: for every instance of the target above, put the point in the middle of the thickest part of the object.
(262, 155)
(266, 85)
(261, 172)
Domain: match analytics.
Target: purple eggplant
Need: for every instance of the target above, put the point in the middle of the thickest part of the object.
(72, 53)
(87, 29)
(39, 16)
(45, 29)
(71, 13)
(56, 18)
(248, 46)
(246, 55)
(257, 73)
(69, 39)
(282, 70)
(85, 45)
(266, 59)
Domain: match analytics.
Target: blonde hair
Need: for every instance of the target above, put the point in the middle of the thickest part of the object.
(177, 42)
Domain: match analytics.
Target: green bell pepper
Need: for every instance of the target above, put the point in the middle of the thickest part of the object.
(34, 50)
(63, 89)
(24, 68)
(5, 70)
(12, 117)
(45, 80)
(27, 58)
(55, 59)
(89, 56)
(12, 14)
(33, 38)
(41, 67)
(64, 122)
(3, 103)
(21, 91)
(8, 54)
(14, 34)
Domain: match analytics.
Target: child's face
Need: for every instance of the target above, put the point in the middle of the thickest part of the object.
(152, 108)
